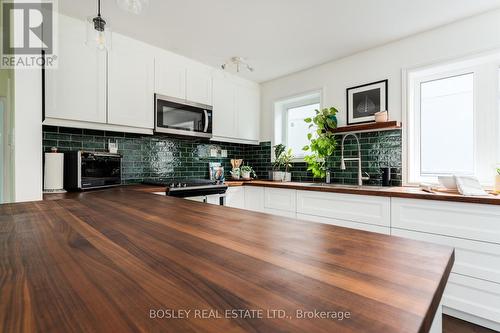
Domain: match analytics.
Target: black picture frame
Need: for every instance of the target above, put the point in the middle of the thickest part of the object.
(349, 111)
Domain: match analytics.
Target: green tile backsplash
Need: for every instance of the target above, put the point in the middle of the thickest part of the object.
(147, 156)
(158, 156)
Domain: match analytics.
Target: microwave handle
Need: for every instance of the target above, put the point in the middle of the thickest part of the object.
(205, 129)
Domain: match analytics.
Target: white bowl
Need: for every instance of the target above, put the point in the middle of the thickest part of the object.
(448, 182)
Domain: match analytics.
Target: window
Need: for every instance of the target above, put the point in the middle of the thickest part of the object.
(453, 120)
(290, 127)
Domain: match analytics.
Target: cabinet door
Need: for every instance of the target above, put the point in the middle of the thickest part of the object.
(248, 112)
(76, 89)
(224, 107)
(235, 197)
(280, 199)
(199, 84)
(170, 75)
(254, 198)
(130, 83)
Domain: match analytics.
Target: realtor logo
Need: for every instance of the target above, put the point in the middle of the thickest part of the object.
(28, 29)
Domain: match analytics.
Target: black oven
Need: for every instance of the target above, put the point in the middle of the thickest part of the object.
(85, 170)
(179, 117)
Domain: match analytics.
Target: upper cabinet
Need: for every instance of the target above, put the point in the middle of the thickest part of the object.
(114, 89)
(236, 109)
(170, 75)
(130, 83)
(76, 89)
(199, 84)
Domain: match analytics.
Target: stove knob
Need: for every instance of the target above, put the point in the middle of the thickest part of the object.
(172, 185)
(184, 185)
(179, 185)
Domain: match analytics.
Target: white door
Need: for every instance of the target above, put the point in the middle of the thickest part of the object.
(248, 114)
(224, 107)
(76, 89)
(199, 84)
(170, 75)
(130, 83)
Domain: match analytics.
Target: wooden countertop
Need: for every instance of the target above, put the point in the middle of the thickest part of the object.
(398, 192)
(101, 261)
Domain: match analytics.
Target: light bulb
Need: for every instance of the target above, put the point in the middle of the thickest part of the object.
(100, 40)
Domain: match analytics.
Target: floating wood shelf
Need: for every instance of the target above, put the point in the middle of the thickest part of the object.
(371, 127)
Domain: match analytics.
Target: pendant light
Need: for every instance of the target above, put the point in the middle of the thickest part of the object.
(97, 32)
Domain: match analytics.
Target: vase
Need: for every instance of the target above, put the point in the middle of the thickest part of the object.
(245, 175)
(497, 183)
(281, 176)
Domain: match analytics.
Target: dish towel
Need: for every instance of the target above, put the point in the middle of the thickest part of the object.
(469, 186)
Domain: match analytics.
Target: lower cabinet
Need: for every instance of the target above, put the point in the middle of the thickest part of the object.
(235, 197)
(254, 198)
(473, 289)
(346, 224)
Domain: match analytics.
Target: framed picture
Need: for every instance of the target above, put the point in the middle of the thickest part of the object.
(366, 100)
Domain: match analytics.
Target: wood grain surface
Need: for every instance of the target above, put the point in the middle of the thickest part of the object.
(101, 261)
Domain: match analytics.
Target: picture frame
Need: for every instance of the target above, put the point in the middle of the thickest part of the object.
(365, 100)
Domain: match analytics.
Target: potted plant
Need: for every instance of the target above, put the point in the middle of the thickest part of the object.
(322, 140)
(282, 163)
(246, 172)
(497, 181)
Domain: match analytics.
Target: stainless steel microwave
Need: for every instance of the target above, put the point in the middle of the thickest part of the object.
(180, 117)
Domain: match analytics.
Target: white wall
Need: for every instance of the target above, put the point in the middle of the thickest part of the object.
(472, 35)
(28, 135)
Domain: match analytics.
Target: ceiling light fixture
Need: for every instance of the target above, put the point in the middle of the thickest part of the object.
(133, 6)
(97, 32)
(237, 63)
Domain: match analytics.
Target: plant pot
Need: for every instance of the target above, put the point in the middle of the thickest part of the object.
(281, 176)
(245, 175)
(497, 183)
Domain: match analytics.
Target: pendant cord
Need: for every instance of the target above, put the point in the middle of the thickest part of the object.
(99, 8)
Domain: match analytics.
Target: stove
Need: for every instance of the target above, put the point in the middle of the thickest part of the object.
(186, 188)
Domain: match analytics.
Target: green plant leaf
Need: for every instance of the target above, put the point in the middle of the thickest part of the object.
(308, 120)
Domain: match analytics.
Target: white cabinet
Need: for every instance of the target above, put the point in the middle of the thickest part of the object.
(236, 109)
(199, 84)
(170, 75)
(462, 220)
(346, 224)
(76, 89)
(224, 107)
(130, 83)
(235, 197)
(248, 112)
(254, 198)
(348, 207)
(280, 199)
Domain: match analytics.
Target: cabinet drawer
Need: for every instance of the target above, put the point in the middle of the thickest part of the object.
(347, 224)
(280, 199)
(463, 220)
(347, 207)
(472, 258)
(473, 296)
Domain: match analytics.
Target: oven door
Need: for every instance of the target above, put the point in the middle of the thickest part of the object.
(100, 170)
(174, 116)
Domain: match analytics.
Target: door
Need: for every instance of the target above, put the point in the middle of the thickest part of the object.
(130, 83)
(170, 75)
(76, 89)
(199, 84)
(224, 107)
(248, 106)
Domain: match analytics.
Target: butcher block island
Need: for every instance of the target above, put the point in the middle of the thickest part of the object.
(125, 260)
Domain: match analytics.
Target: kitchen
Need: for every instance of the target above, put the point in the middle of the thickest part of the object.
(344, 179)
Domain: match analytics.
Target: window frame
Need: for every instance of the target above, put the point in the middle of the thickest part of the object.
(281, 108)
(484, 68)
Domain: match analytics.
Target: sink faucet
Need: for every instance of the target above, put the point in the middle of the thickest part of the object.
(358, 159)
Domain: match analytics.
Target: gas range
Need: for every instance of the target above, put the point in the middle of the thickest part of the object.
(185, 188)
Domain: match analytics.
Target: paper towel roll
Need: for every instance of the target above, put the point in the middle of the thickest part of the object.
(54, 172)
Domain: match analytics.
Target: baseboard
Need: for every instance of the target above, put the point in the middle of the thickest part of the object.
(471, 318)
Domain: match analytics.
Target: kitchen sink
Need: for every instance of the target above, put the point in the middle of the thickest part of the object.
(346, 186)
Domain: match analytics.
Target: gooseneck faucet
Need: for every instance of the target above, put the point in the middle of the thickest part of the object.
(358, 159)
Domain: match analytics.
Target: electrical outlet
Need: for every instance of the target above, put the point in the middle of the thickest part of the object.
(223, 153)
(213, 152)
